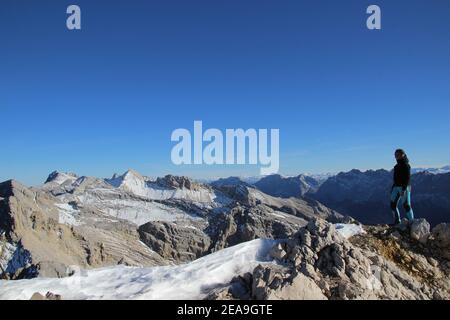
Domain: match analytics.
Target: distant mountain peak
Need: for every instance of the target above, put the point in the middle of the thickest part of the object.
(230, 181)
(61, 177)
(444, 169)
(177, 182)
(131, 180)
(285, 187)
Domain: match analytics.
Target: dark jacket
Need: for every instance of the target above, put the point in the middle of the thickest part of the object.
(402, 173)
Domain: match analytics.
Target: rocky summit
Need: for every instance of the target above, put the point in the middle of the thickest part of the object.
(226, 240)
(317, 263)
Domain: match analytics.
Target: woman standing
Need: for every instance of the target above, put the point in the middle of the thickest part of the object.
(401, 189)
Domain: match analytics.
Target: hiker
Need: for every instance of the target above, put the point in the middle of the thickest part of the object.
(401, 189)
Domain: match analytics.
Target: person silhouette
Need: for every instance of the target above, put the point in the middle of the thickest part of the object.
(401, 189)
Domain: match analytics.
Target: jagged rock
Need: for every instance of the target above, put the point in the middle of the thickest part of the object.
(51, 269)
(317, 263)
(243, 223)
(48, 296)
(37, 296)
(441, 235)
(278, 252)
(265, 279)
(174, 241)
(403, 226)
(420, 230)
(301, 288)
(175, 182)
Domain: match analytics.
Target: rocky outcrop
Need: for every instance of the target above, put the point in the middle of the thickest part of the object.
(420, 230)
(48, 296)
(441, 235)
(244, 223)
(272, 284)
(177, 182)
(318, 263)
(175, 241)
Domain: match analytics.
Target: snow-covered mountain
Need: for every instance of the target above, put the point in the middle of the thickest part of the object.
(59, 178)
(444, 169)
(134, 220)
(172, 237)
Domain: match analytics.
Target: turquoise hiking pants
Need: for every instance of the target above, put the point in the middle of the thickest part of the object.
(398, 194)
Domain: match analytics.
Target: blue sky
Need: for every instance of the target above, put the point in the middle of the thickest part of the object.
(106, 98)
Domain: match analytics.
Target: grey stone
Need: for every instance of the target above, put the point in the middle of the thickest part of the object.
(277, 252)
(420, 230)
(441, 235)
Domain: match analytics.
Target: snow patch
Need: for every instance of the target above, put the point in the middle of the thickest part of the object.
(139, 185)
(60, 177)
(67, 214)
(136, 211)
(193, 280)
(13, 257)
(349, 230)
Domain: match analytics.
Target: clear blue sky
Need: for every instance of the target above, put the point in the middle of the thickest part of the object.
(106, 98)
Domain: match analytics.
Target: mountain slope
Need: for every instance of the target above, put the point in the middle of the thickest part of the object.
(320, 261)
(134, 220)
(46, 244)
(189, 281)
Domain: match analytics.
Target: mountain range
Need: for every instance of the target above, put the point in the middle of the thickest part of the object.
(363, 195)
(131, 219)
(227, 239)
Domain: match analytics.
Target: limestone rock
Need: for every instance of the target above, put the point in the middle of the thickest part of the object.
(301, 288)
(48, 296)
(278, 252)
(420, 230)
(175, 241)
(316, 263)
(441, 235)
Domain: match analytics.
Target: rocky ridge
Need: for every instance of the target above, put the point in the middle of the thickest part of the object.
(88, 222)
(383, 263)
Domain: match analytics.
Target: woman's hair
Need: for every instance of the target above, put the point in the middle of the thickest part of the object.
(402, 154)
